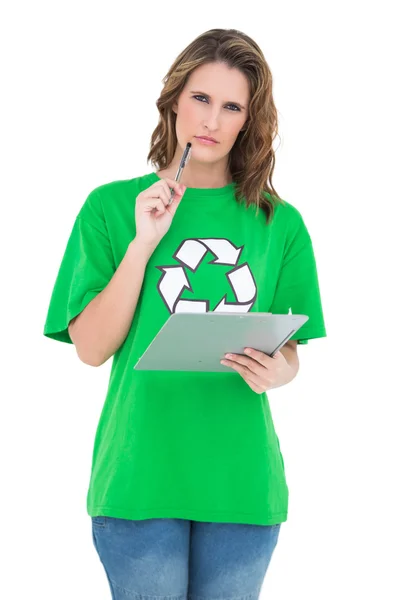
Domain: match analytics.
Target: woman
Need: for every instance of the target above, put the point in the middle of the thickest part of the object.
(188, 490)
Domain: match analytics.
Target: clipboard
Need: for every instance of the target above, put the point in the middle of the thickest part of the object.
(198, 341)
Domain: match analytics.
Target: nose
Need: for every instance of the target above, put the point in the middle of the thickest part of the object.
(212, 120)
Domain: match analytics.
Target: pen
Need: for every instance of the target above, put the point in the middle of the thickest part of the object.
(184, 160)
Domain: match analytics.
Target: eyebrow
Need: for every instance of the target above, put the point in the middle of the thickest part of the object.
(208, 96)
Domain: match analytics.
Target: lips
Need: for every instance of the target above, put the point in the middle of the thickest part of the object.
(206, 137)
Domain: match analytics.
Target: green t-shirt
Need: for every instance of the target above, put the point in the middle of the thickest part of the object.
(189, 445)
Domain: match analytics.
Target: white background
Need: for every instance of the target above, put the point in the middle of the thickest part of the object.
(79, 86)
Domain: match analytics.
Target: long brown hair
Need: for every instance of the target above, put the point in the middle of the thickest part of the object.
(251, 159)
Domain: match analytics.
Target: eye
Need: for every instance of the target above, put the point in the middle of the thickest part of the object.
(237, 109)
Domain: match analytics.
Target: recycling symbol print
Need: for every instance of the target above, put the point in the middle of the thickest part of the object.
(174, 281)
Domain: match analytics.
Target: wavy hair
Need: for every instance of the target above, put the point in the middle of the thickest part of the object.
(251, 159)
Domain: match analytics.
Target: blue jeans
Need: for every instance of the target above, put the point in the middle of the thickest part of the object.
(176, 559)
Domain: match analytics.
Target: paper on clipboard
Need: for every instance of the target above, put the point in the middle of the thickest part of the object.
(198, 341)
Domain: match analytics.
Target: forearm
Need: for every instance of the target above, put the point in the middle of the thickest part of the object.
(292, 359)
(291, 356)
(101, 328)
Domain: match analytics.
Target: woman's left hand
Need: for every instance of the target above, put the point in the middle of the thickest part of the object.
(260, 371)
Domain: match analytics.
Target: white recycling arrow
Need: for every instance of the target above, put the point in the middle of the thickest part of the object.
(190, 254)
(224, 250)
(197, 306)
(232, 307)
(172, 283)
(243, 283)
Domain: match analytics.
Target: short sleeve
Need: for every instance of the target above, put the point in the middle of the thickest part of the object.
(85, 270)
(297, 290)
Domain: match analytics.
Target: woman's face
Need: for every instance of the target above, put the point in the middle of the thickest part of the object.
(214, 102)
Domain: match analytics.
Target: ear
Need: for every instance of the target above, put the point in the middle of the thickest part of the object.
(175, 107)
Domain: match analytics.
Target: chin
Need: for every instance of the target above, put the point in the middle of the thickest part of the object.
(205, 159)
(207, 153)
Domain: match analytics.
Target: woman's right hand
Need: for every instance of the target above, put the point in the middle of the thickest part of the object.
(153, 215)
